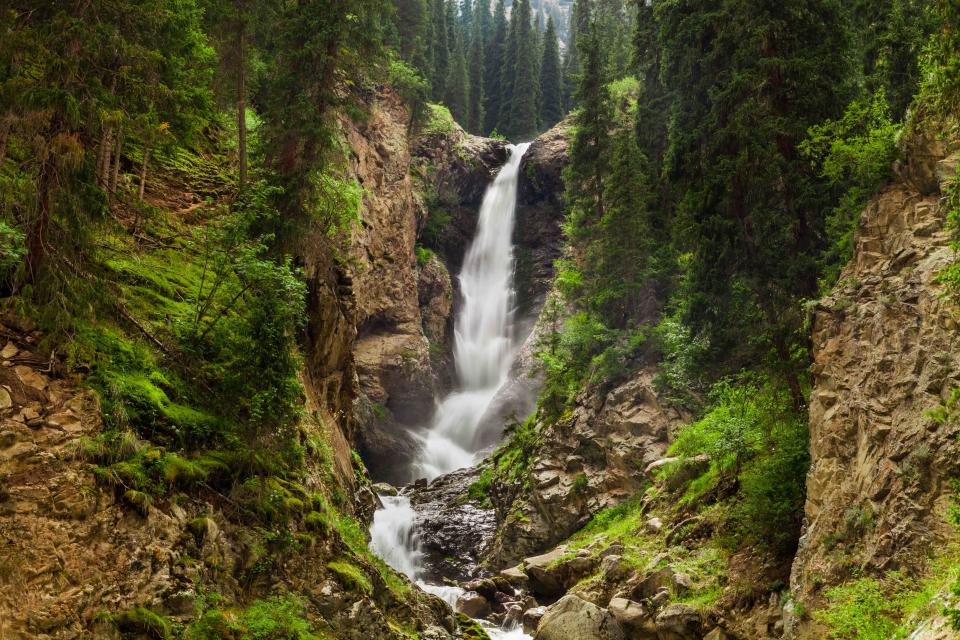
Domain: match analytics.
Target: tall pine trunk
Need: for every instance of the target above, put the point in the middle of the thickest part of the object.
(242, 100)
(143, 171)
(115, 171)
(103, 157)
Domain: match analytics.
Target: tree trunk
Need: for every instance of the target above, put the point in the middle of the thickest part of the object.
(103, 158)
(242, 99)
(37, 237)
(143, 171)
(115, 174)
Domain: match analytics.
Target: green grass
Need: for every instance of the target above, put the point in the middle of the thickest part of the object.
(351, 577)
(889, 607)
(439, 120)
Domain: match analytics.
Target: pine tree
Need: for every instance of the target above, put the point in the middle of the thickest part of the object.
(457, 85)
(523, 105)
(579, 19)
(440, 50)
(493, 73)
(508, 70)
(551, 91)
(476, 76)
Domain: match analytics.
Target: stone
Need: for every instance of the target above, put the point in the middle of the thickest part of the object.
(516, 576)
(654, 525)
(633, 618)
(30, 378)
(571, 618)
(9, 350)
(484, 586)
(531, 618)
(682, 583)
(679, 622)
(654, 582)
(473, 604)
(718, 634)
(614, 568)
(545, 572)
(5, 400)
(384, 489)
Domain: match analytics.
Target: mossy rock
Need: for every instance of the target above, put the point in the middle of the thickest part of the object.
(351, 577)
(470, 628)
(316, 521)
(144, 622)
(138, 500)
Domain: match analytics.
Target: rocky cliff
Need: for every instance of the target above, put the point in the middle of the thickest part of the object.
(884, 356)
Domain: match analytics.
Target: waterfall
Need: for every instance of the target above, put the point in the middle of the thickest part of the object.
(483, 331)
(483, 353)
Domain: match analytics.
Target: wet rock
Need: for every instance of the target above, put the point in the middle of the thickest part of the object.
(679, 622)
(384, 489)
(454, 530)
(485, 587)
(546, 574)
(531, 618)
(574, 619)
(474, 605)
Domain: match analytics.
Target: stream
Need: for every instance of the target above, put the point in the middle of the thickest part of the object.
(484, 349)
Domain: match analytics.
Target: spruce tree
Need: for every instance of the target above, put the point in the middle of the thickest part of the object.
(474, 122)
(457, 85)
(551, 90)
(523, 105)
(508, 70)
(440, 53)
(579, 20)
(493, 73)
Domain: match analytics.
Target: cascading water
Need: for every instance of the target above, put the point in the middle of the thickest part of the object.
(483, 352)
(483, 332)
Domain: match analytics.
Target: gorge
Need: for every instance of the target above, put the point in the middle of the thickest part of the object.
(298, 341)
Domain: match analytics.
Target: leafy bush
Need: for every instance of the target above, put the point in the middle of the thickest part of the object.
(752, 435)
(855, 154)
(412, 87)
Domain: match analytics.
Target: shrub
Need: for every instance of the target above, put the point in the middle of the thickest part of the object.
(860, 610)
(277, 618)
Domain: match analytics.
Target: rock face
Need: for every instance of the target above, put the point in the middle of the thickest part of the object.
(884, 354)
(538, 239)
(400, 306)
(574, 619)
(588, 461)
(454, 531)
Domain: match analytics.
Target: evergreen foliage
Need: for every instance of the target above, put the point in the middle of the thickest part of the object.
(551, 87)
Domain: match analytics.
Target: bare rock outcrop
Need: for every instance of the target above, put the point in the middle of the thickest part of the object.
(588, 461)
(884, 355)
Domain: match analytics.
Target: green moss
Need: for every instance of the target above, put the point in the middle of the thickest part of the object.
(142, 621)
(179, 472)
(351, 577)
(439, 120)
(138, 500)
(471, 629)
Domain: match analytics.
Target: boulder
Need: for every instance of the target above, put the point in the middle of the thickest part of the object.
(718, 634)
(473, 604)
(653, 583)
(633, 618)
(574, 619)
(531, 618)
(679, 622)
(384, 489)
(516, 576)
(545, 572)
(654, 525)
(614, 568)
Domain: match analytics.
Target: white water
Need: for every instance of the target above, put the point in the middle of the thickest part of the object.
(483, 332)
(483, 353)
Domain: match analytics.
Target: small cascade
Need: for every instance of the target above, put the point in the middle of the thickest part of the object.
(483, 352)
